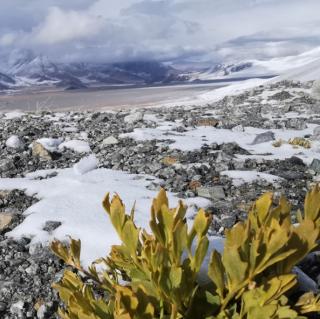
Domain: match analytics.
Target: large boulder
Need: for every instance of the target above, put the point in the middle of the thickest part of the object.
(263, 138)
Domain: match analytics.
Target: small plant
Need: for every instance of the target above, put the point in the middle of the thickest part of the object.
(156, 275)
(295, 142)
(207, 122)
(278, 143)
(299, 141)
(169, 160)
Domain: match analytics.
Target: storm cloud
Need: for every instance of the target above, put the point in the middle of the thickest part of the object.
(166, 30)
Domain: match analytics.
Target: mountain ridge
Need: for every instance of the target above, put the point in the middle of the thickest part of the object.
(25, 69)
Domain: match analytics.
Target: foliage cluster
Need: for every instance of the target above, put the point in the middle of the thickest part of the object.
(156, 275)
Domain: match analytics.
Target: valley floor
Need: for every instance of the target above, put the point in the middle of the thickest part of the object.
(110, 98)
(55, 169)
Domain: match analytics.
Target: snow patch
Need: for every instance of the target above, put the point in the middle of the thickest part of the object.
(194, 139)
(75, 201)
(86, 165)
(13, 115)
(50, 144)
(241, 177)
(76, 146)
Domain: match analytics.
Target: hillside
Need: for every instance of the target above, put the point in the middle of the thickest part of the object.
(303, 67)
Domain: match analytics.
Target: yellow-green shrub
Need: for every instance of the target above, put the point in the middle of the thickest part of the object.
(156, 275)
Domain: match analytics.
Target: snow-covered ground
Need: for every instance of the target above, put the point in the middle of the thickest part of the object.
(195, 138)
(73, 195)
(75, 199)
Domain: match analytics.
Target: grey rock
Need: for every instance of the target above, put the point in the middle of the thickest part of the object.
(3, 306)
(50, 225)
(238, 128)
(17, 308)
(6, 165)
(14, 142)
(213, 193)
(316, 133)
(296, 161)
(264, 137)
(35, 249)
(111, 140)
(281, 96)
(32, 269)
(45, 310)
(133, 117)
(296, 123)
(315, 166)
(306, 284)
(316, 89)
(290, 175)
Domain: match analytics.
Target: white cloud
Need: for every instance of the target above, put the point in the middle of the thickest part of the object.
(162, 29)
(62, 26)
(7, 39)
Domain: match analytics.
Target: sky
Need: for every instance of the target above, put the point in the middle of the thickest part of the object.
(167, 30)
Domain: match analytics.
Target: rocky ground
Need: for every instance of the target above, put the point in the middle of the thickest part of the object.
(26, 272)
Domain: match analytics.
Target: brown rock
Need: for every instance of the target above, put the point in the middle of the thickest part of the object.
(207, 122)
(40, 151)
(194, 185)
(5, 221)
(169, 160)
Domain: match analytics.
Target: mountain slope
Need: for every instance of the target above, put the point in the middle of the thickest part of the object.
(6, 81)
(308, 72)
(291, 66)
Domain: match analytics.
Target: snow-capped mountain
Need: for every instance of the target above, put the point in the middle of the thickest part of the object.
(305, 66)
(6, 81)
(24, 68)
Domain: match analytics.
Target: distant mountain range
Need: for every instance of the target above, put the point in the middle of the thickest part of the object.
(25, 69)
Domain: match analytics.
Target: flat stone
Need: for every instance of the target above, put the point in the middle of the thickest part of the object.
(264, 137)
(111, 140)
(213, 193)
